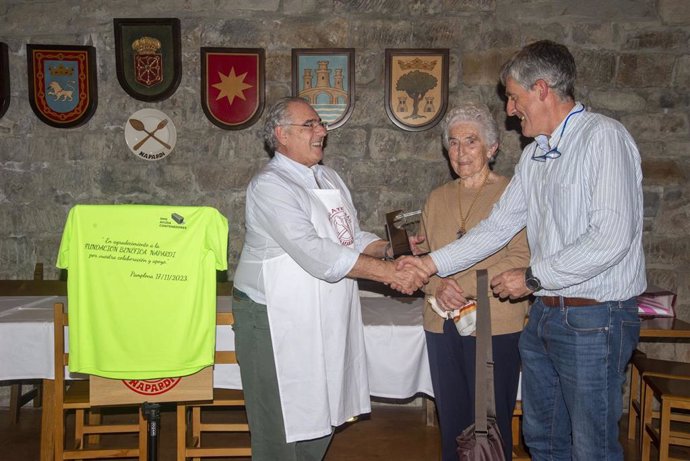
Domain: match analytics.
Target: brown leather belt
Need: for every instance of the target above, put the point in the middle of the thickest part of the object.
(555, 301)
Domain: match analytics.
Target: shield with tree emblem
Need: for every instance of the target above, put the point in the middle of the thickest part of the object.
(148, 56)
(416, 87)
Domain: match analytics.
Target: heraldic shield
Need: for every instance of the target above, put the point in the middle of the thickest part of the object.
(232, 86)
(416, 87)
(148, 57)
(4, 79)
(325, 77)
(62, 83)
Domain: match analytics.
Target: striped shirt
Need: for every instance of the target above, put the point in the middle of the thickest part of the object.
(583, 212)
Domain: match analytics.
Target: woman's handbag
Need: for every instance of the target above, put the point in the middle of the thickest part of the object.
(482, 441)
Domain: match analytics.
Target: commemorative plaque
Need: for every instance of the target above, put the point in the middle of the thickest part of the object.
(399, 227)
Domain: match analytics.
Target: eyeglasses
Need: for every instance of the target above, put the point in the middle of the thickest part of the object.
(553, 153)
(313, 124)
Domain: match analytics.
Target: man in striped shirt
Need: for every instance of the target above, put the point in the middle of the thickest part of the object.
(577, 188)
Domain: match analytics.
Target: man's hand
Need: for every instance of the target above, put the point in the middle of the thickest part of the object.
(510, 284)
(424, 263)
(407, 278)
(449, 295)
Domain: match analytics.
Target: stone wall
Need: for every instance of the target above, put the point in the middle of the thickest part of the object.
(633, 58)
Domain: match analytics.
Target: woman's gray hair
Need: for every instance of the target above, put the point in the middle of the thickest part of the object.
(476, 113)
(277, 115)
(545, 60)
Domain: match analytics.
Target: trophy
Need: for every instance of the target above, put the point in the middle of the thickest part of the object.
(398, 224)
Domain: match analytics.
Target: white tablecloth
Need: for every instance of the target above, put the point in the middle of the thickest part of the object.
(396, 347)
(397, 360)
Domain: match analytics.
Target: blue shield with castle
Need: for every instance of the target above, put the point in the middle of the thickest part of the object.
(325, 79)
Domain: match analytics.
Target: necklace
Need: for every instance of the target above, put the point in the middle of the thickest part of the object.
(463, 218)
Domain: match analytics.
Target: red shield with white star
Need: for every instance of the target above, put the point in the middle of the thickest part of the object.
(232, 86)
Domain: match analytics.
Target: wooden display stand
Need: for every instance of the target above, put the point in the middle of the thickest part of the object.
(199, 386)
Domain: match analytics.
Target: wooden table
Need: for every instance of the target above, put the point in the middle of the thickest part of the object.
(660, 328)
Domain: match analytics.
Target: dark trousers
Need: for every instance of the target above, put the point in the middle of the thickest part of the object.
(260, 383)
(451, 358)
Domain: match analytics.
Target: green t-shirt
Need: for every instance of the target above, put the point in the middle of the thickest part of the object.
(142, 288)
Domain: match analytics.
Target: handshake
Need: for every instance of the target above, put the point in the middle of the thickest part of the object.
(407, 274)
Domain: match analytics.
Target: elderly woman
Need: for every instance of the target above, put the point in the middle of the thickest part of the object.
(470, 135)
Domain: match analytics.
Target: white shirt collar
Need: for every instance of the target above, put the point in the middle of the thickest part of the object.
(303, 172)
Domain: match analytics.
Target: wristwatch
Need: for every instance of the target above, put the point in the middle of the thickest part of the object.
(532, 282)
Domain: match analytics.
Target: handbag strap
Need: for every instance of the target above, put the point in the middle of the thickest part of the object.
(484, 401)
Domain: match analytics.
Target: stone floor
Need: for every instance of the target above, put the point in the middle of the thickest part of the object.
(391, 432)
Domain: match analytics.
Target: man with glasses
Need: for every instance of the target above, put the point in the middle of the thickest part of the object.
(298, 327)
(578, 190)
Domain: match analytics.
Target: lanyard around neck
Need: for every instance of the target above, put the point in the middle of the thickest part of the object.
(554, 153)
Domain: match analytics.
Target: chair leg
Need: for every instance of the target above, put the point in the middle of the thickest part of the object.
(95, 419)
(143, 436)
(15, 407)
(79, 429)
(58, 433)
(38, 400)
(664, 430)
(181, 431)
(430, 407)
(646, 419)
(515, 429)
(643, 396)
(196, 426)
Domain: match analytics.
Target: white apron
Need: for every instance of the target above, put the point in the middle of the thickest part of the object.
(317, 333)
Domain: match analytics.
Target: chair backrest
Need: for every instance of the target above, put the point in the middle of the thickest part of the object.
(225, 357)
(60, 321)
(35, 287)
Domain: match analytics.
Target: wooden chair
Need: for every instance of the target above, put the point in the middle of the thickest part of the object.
(222, 398)
(674, 397)
(74, 396)
(641, 366)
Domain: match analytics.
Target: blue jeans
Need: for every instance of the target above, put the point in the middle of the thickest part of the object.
(573, 370)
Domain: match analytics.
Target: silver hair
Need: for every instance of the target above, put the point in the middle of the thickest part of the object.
(543, 60)
(476, 113)
(277, 115)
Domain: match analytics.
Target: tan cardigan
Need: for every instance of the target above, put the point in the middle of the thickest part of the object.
(441, 221)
